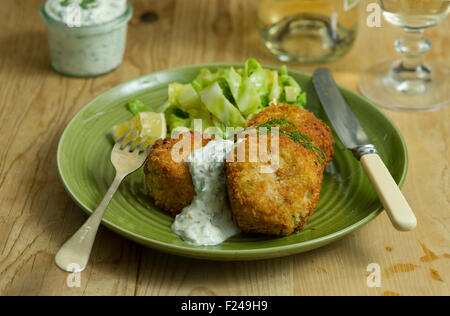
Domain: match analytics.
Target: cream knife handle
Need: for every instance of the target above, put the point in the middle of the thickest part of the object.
(395, 204)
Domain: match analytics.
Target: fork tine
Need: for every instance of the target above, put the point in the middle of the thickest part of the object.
(125, 136)
(128, 145)
(147, 149)
(138, 147)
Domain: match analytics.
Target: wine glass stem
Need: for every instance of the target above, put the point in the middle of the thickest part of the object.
(410, 73)
(413, 45)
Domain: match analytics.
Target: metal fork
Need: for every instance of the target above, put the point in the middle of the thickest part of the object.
(126, 158)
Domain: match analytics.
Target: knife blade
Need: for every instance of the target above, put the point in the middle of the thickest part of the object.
(344, 121)
(354, 138)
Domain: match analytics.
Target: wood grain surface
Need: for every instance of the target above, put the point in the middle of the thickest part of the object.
(37, 216)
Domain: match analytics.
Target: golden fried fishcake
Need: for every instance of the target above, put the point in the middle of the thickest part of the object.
(276, 203)
(169, 182)
(281, 202)
(305, 122)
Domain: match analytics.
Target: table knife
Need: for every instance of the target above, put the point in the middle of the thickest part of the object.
(355, 139)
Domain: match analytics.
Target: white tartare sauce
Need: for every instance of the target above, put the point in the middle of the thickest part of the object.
(84, 45)
(90, 13)
(208, 220)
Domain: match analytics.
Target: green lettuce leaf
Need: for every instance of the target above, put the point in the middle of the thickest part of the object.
(301, 100)
(216, 103)
(204, 79)
(186, 98)
(233, 80)
(249, 101)
(258, 77)
(291, 93)
(136, 106)
(177, 118)
(274, 86)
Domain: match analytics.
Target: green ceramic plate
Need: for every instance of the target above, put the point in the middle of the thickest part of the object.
(347, 202)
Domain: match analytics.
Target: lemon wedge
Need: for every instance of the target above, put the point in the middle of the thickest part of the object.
(147, 126)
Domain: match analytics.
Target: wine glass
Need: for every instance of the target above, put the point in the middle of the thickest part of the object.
(408, 84)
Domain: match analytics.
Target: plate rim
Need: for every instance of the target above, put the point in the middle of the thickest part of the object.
(207, 252)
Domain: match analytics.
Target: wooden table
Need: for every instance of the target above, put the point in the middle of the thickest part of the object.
(37, 216)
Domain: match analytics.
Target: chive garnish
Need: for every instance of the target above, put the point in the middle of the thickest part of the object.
(86, 4)
(65, 3)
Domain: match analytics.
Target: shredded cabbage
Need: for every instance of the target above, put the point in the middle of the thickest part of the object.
(227, 97)
(177, 118)
(220, 107)
(249, 101)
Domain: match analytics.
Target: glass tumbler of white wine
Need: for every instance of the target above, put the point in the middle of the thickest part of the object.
(308, 30)
(409, 84)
